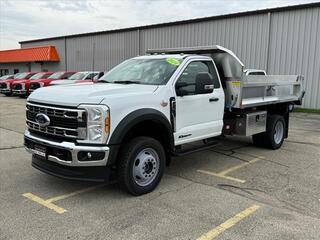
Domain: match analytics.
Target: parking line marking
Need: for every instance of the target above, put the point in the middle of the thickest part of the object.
(44, 203)
(223, 174)
(61, 197)
(229, 223)
(49, 202)
(229, 170)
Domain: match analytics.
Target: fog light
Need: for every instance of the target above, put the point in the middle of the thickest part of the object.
(90, 156)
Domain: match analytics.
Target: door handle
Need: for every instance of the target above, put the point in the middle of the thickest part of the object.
(213, 99)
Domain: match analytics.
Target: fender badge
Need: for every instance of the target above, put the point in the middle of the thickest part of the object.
(164, 103)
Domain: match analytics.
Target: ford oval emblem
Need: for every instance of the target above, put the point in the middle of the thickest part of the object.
(42, 119)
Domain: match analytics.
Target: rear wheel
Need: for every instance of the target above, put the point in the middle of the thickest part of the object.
(141, 165)
(274, 135)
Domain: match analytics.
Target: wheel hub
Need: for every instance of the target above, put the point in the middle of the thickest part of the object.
(146, 166)
(278, 132)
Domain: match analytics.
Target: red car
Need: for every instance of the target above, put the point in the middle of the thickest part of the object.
(21, 87)
(46, 82)
(6, 86)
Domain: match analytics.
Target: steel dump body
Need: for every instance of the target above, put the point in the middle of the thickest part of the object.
(258, 90)
(246, 91)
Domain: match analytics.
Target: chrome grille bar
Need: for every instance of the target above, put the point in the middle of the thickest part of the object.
(64, 118)
(56, 111)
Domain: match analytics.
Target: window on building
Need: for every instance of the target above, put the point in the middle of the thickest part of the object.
(15, 71)
(4, 72)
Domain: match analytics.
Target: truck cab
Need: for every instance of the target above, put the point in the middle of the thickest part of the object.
(148, 108)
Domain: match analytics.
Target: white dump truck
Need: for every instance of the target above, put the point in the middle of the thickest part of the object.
(149, 108)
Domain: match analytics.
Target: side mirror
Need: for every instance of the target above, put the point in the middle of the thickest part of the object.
(204, 83)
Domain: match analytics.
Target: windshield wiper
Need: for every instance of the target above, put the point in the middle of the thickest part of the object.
(105, 81)
(127, 82)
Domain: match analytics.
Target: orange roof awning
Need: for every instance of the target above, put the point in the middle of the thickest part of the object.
(35, 54)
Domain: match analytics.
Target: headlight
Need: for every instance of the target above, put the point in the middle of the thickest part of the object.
(98, 123)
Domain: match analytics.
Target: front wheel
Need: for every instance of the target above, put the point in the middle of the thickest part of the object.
(141, 165)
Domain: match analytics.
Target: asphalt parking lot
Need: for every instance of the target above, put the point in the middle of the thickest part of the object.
(231, 191)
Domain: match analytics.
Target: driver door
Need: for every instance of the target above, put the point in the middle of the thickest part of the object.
(198, 116)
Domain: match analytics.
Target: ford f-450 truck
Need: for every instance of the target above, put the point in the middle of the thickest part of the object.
(149, 108)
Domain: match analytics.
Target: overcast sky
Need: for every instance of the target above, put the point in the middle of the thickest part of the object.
(31, 19)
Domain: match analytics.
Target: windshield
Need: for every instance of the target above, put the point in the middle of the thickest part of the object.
(56, 75)
(77, 76)
(143, 71)
(6, 77)
(37, 76)
(21, 75)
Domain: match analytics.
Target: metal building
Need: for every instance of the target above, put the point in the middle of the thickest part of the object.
(283, 40)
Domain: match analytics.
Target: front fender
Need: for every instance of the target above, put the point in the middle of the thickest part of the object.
(136, 117)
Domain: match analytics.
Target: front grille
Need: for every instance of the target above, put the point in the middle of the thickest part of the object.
(34, 86)
(17, 87)
(68, 123)
(3, 85)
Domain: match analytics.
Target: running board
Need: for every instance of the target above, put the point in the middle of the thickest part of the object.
(183, 152)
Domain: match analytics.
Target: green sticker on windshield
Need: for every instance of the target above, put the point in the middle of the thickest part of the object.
(173, 61)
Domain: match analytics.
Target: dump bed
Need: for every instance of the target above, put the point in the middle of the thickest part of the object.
(258, 90)
(241, 90)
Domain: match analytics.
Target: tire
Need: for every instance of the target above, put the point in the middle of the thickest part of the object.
(141, 165)
(259, 139)
(274, 135)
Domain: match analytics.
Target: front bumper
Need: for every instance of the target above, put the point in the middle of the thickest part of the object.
(92, 174)
(5, 90)
(67, 153)
(73, 169)
(19, 92)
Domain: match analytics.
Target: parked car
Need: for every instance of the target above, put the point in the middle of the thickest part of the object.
(95, 78)
(79, 77)
(5, 77)
(21, 87)
(152, 107)
(6, 85)
(46, 82)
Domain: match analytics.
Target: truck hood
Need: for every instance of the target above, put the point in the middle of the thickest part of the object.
(88, 93)
(42, 80)
(21, 81)
(62, 82)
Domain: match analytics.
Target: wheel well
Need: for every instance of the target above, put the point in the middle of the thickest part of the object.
(153, 129)
(150, 128)
(281, 109)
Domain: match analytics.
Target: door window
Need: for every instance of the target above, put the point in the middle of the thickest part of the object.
(188, 76)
